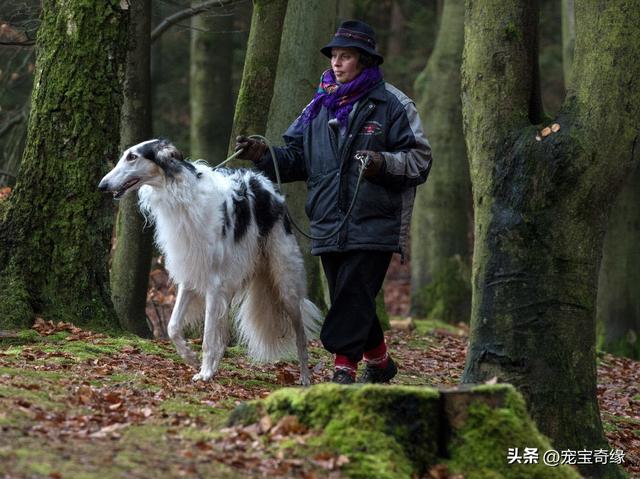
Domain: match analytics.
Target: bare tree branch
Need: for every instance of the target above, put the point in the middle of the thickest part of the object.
(186, 13)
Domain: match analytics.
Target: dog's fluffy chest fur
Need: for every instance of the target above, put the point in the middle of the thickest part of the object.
(189, 220)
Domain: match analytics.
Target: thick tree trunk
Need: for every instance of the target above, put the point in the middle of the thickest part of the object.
(132, 256)
(440, 247)
(211, 95)
(54, 240)
(541, 205)
(308, 26)
(618, 311)
(260, 65)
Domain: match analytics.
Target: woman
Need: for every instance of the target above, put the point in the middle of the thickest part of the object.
(354, 112)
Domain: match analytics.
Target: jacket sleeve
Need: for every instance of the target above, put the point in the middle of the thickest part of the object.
(408, 160)
(290, 157)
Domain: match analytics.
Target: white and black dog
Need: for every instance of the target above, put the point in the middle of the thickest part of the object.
(226, 238)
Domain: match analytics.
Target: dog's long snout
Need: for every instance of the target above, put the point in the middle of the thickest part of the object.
(103, 185)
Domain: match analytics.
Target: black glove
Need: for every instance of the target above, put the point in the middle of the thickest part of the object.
(374, 162)
(252, 150)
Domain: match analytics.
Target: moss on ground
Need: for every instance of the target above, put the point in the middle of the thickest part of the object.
(398, 431)
(386, 432)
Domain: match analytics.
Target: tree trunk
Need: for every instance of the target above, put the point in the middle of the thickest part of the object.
(260, 65)
(440, 248)
(134, 242)
(211, 94)
(618, 293)
(54, 240)
(618, 311)
(397, 27)
(568, 37)
(541, 205)
(308, 26)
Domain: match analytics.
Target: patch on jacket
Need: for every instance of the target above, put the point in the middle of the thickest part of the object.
(371, 128)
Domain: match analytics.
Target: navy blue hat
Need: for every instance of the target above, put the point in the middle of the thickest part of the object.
(354, 34)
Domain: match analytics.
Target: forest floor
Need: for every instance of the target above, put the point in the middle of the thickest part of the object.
(75, 404)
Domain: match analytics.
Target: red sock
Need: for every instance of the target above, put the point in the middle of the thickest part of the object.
(377, 356)
(344, 363)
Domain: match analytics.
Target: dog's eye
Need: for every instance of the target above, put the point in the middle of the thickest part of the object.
(131, 156)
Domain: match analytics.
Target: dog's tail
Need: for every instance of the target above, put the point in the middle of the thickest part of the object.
(265, 327)
(312, 319)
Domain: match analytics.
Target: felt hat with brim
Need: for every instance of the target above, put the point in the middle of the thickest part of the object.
(354, 34)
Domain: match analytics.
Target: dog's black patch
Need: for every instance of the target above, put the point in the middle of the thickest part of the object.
(226, 221)
(242, 212)
(164, 154)
(267, 210)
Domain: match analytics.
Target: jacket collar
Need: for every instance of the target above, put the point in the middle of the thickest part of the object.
(379, 93)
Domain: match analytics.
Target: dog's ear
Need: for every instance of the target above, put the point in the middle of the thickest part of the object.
(168, 157)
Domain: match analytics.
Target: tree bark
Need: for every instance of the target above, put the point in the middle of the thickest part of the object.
(134, 242)
(541, 205)
(260, 65)
(440, 247)
(211, 95)
(56, 233)
(618, 306)
(618, 291)
(308, 26)
(568, 37)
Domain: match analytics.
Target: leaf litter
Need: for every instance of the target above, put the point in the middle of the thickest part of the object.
(65, 398)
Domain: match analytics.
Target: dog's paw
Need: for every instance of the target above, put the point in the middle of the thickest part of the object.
(201, 377)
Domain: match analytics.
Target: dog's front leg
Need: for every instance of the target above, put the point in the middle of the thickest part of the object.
(216, 334)
(176, 324)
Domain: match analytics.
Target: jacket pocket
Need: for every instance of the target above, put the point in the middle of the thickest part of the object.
(375, 201)
(322, 193)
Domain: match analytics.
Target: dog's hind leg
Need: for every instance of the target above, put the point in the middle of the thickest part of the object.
(216, 333)
(301, 344)
(287, 271)
(176, 325)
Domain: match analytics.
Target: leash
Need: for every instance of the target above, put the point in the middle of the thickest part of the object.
(362, 158)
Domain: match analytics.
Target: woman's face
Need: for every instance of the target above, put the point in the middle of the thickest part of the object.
(344, 63)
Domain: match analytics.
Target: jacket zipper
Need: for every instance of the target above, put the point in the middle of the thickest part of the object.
(344, 165)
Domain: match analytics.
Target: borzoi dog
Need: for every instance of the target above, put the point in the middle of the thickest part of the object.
(226, 238)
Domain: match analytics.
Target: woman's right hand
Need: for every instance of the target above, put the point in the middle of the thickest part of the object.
(252, 150)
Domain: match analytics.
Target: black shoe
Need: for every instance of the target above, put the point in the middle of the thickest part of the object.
(341, 376)
(373, 374)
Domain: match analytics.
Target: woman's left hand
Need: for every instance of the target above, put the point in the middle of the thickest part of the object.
(375, 163)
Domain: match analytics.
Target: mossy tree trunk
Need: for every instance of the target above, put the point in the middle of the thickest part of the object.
(134, 242)
(55, 235)
(308, 26)
(259, 74)
(211, 90)
(618, 310)
(568, 37)
(619, 282)
(541, 206)
(440, 246)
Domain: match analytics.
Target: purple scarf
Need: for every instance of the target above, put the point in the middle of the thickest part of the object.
(339, 98)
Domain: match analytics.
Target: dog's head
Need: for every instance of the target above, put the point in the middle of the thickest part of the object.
(147, 163)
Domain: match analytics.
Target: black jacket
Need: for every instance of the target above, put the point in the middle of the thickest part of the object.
(385, 121)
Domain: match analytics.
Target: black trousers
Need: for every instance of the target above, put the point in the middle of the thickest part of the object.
(355, 278)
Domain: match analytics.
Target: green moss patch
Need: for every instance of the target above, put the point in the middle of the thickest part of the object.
(386, 432)
(479, 448)
(404, 431)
